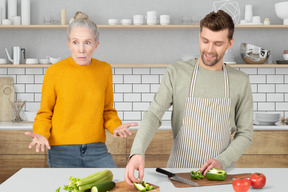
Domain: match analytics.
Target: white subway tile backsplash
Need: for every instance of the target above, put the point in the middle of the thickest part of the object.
(120, 115)
(266, 88)
(33, 71)
(265, 71)
(19, 88)
(125, 106)
(118, 79)
(254, 88)
(249, 71)
(275, 97)
(286, 78)
(282, 71)
(119, 88)
(275, 79)
(259, 97)
(266, 106)
(159, 71)
(132, 79)
(16, 71)
(118, 97)
(154, 88)
(147, 96)
(37, 97)
(141, 106)
(132, 97)
(133, 116)
(141, 71)
(32, 106)
(286, 97)
(281, 106)
(257, 78)
(3, 71)
(33, 88)
(141, 88)
(255, 106)
(25, 96)
(25, 79)
(127, 71)
(39, 78)
(282, 88)
(167, 115)
(150, 78)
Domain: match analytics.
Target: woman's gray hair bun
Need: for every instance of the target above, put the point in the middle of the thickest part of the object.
(82, 20)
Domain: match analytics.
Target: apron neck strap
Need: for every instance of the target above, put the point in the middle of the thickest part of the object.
(194, 78)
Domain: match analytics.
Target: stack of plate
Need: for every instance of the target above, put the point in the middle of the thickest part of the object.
(267, 118)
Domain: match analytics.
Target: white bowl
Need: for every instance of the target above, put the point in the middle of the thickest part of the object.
(44, 61)
(282, 11)
(267, 117)
(32, 61)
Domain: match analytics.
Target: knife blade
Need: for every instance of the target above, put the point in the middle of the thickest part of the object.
(177, 178)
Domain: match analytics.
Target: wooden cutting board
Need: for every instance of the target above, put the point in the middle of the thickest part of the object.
(6, 97)
(123, 186)
(205, 181)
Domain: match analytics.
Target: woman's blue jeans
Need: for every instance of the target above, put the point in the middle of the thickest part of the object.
(76, 156)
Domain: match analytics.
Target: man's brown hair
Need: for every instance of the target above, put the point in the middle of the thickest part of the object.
(218, 21)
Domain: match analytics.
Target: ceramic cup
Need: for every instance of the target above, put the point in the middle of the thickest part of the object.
(16, 20)
(256, 19)
(138, 19)
(152, 21)
(113, 21)
(285, 56)
(3, 61)
(6, 22)
(164, 19)
(126, 21)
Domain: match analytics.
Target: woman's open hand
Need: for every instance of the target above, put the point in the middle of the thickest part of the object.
(39, 140)
(123, 130)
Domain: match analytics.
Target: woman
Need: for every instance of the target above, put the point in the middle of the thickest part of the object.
(77, 104)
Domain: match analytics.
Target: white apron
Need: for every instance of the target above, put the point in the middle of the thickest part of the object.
(205, 132)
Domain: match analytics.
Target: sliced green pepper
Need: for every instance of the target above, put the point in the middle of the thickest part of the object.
(216, 174)
(140, 187)
(196, 175)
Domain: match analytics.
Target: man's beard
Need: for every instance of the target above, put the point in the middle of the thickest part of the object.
(210, 64)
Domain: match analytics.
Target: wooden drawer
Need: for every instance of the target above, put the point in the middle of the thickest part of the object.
(10, 164)
(161, 143)
(269, 142)
(14, 142)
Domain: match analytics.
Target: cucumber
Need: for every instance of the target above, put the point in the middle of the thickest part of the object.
(103, 187)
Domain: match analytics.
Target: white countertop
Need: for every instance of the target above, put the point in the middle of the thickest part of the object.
(49, 179)
(28, 126)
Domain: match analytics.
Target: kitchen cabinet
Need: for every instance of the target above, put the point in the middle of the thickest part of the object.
(268, 150)
(141, 27)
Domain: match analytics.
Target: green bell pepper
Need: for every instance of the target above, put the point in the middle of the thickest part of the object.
(196, 175)
(216, 174)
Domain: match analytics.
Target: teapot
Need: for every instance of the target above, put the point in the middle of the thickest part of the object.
(18, 54)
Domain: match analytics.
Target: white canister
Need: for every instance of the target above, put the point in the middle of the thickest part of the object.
(248, 13)
(16, 20)
(1, 10)
(25, 12)
(164, 19)
(12, 8)
(3, 5)
(63, 17)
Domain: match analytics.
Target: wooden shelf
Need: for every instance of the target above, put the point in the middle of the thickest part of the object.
(135, 26)
(149, 65)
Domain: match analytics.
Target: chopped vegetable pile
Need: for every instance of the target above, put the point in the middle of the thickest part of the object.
(143, 186)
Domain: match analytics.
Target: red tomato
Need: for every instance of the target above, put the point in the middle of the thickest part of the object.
(241, 184)
(257, 180)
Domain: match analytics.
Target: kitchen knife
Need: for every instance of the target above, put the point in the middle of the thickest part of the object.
(176, 178)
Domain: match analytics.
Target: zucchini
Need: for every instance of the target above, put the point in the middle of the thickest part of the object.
(103, 187)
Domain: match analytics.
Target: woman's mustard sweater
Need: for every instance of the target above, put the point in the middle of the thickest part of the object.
(76, 103)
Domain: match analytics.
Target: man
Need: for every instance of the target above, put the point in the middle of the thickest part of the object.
(210, 101)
